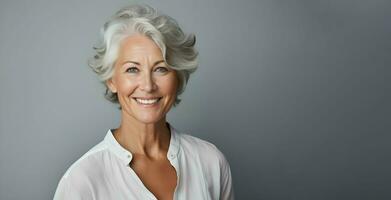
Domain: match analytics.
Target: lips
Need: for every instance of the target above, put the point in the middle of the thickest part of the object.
(147, 101)
(146, 98)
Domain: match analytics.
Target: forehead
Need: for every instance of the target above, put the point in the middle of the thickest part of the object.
(139, 45)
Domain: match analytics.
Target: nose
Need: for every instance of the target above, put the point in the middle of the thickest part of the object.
(147, 83)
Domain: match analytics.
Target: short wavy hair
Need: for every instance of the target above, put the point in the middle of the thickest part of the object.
(178, 48)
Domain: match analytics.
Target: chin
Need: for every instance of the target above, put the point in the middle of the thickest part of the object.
(148, 119)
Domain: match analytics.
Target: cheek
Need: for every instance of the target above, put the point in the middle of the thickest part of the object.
(126, 86)
(169, 85)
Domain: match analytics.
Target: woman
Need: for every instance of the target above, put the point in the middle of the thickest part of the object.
(144, 60)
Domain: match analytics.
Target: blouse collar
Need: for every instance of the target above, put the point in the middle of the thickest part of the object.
(126, 156)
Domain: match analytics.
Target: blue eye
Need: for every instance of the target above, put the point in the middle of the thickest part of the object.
(132, 70)
(162, 69)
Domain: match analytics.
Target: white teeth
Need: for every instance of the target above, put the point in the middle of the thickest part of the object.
(147, 102)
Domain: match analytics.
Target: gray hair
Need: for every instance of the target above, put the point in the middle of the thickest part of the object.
(177, 47)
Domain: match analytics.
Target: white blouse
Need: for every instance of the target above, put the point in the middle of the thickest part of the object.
(103, 173)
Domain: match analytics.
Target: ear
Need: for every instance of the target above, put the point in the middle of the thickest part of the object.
(111, 85)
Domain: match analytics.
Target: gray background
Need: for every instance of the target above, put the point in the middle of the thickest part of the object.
(296, 94)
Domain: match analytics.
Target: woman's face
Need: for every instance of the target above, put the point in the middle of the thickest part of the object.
(145, 85)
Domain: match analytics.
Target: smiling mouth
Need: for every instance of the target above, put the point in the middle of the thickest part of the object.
(151, 101)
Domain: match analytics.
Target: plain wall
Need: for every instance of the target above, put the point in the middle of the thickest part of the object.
(296, 94)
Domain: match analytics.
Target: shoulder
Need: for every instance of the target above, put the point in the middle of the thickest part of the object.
(88, 168)
(82, 174)
(202, 149)
(87, 161)
(214, 166)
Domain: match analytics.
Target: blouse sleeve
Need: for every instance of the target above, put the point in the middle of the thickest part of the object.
(66, 191)
(62, 187)
(226, 187)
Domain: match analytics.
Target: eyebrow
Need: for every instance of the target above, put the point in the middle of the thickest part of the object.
(137, 63)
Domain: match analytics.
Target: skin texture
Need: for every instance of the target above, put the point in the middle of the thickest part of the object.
(140, 71)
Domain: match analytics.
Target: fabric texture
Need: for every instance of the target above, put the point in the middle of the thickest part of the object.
(103, 173)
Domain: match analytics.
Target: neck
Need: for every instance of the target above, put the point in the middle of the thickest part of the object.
(150, 140)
